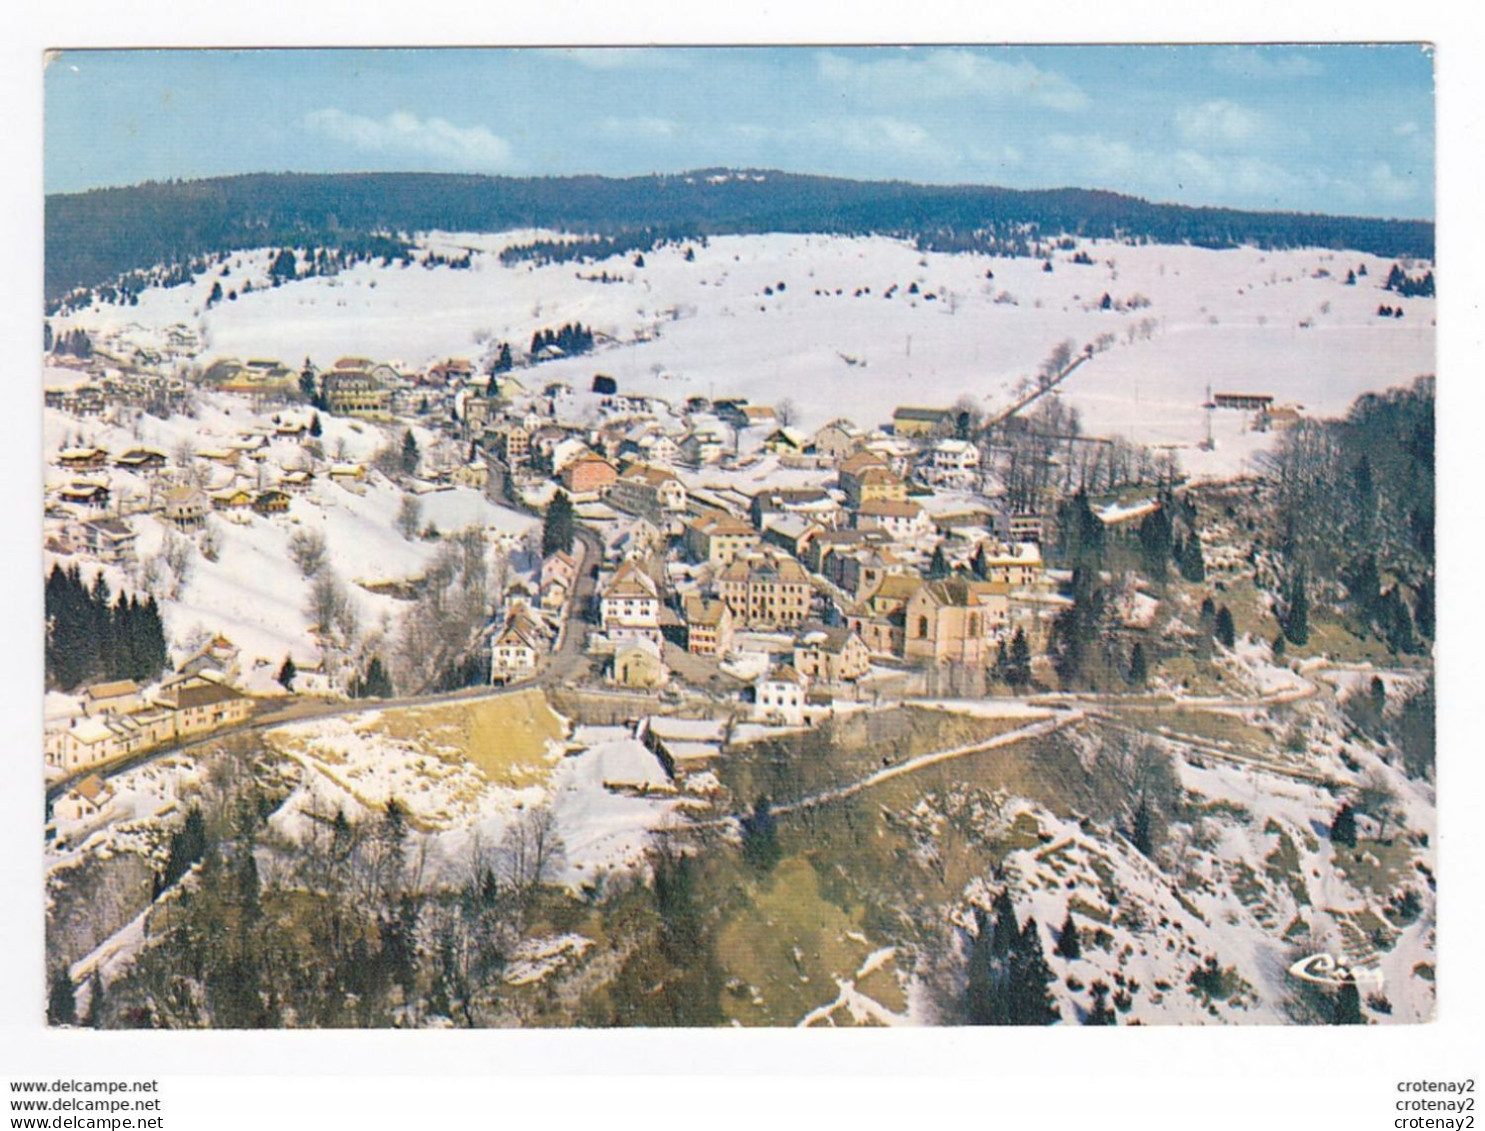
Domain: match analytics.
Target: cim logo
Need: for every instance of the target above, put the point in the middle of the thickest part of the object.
(1331, 971)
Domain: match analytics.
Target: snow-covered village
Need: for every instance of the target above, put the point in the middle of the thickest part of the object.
(556, 625)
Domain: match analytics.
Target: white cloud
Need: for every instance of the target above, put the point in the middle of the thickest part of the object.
(882, 135)
(1267, 62)
(1390, 186)
(642, 128)
(1220, 122)
(403, 133)
(945, 74)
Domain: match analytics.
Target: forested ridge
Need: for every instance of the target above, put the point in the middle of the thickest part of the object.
(94, 237)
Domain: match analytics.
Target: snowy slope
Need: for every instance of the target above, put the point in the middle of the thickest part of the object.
(1282, 323)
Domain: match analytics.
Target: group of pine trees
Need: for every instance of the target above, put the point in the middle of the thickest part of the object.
(1009, 981)
(1404, 284)
(572, 338)
(74, 343)
(92, 635)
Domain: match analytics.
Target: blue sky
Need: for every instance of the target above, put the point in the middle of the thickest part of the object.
(1339, 129)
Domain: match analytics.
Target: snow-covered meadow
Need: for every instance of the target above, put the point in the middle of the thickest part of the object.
(857, 326)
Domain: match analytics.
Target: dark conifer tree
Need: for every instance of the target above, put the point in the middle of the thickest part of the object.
(1068, 945)
(1139, 673)
(1297, 623)
(1343, 828)
(1226, 632)
(286, 674)
(61, 1001)
(557, 531)
(1348, 1006)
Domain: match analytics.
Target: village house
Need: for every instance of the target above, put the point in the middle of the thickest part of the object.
(918, 423)
(879, 617)
(82, 459)
(588, 475)
(120, 696)
(902, 520)
(201, 703)
(709, 626)
(831, 655)
(701, 447)
(638, 664)
(630, 605)
(344, 473)
(778, 697)
(218, 655)
(88, 800)
(814, 503)
(270, 502)
(653, 492)
(141, 460)
(1018, 565)
(85, 496)
(717, 538)
(232, 499)
(475, 474)
(296, 481)
(836, 440)
(791, 533)
(510, 442)
(355, 392)
(950, 462)
(109, 539)
(859, 571)
(514, 651)
(766, 589)
(955, 621)
(865, 477)
(185, 508)
(786, 441)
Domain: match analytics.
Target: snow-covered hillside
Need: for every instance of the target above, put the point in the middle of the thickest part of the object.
(858, 325)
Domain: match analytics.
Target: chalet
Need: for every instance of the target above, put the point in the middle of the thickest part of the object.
(232, 499)
(830, 655)
(638, 664)
(630, 605)
(109, 539)
(296, 481)
(201, 703)
(347, 472)
(785, 441)
(955, 621)
(140, 460)
(758, 416)
(81, 493)
(82, 459)
(120, 696)
(291, 429)
(271, 502)
(917, 422)
(709, 626)
(717, 538)
(186, 509)
(218, 655)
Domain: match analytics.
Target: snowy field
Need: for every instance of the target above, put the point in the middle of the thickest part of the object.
(833, 342)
